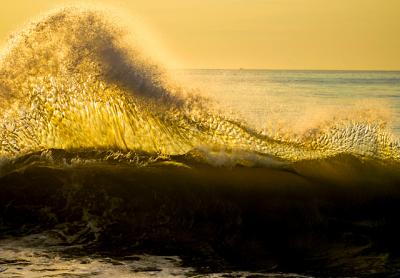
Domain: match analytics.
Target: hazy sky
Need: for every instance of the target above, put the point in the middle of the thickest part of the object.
(275, 34)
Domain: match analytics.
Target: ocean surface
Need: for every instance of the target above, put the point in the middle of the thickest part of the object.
(299, 95)
(112, 166)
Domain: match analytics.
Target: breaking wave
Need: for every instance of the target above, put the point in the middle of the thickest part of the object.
(71, 81)
(125, 157)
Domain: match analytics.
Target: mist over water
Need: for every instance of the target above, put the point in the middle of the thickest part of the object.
(106, 155)
(72, 82)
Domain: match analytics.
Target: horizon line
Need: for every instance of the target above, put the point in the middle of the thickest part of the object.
(281, 69)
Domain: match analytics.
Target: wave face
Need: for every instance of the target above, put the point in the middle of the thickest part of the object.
(70, 81)
(102, 149)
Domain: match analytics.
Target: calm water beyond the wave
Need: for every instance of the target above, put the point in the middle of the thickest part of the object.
(295, 93)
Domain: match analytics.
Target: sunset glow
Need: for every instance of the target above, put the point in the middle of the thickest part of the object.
(272, 34)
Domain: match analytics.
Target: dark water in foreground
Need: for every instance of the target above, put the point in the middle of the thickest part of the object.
(331, 218)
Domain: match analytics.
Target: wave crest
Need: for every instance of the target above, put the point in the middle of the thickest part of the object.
(70, 81)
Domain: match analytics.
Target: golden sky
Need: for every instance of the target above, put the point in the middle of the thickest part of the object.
(272, 34)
